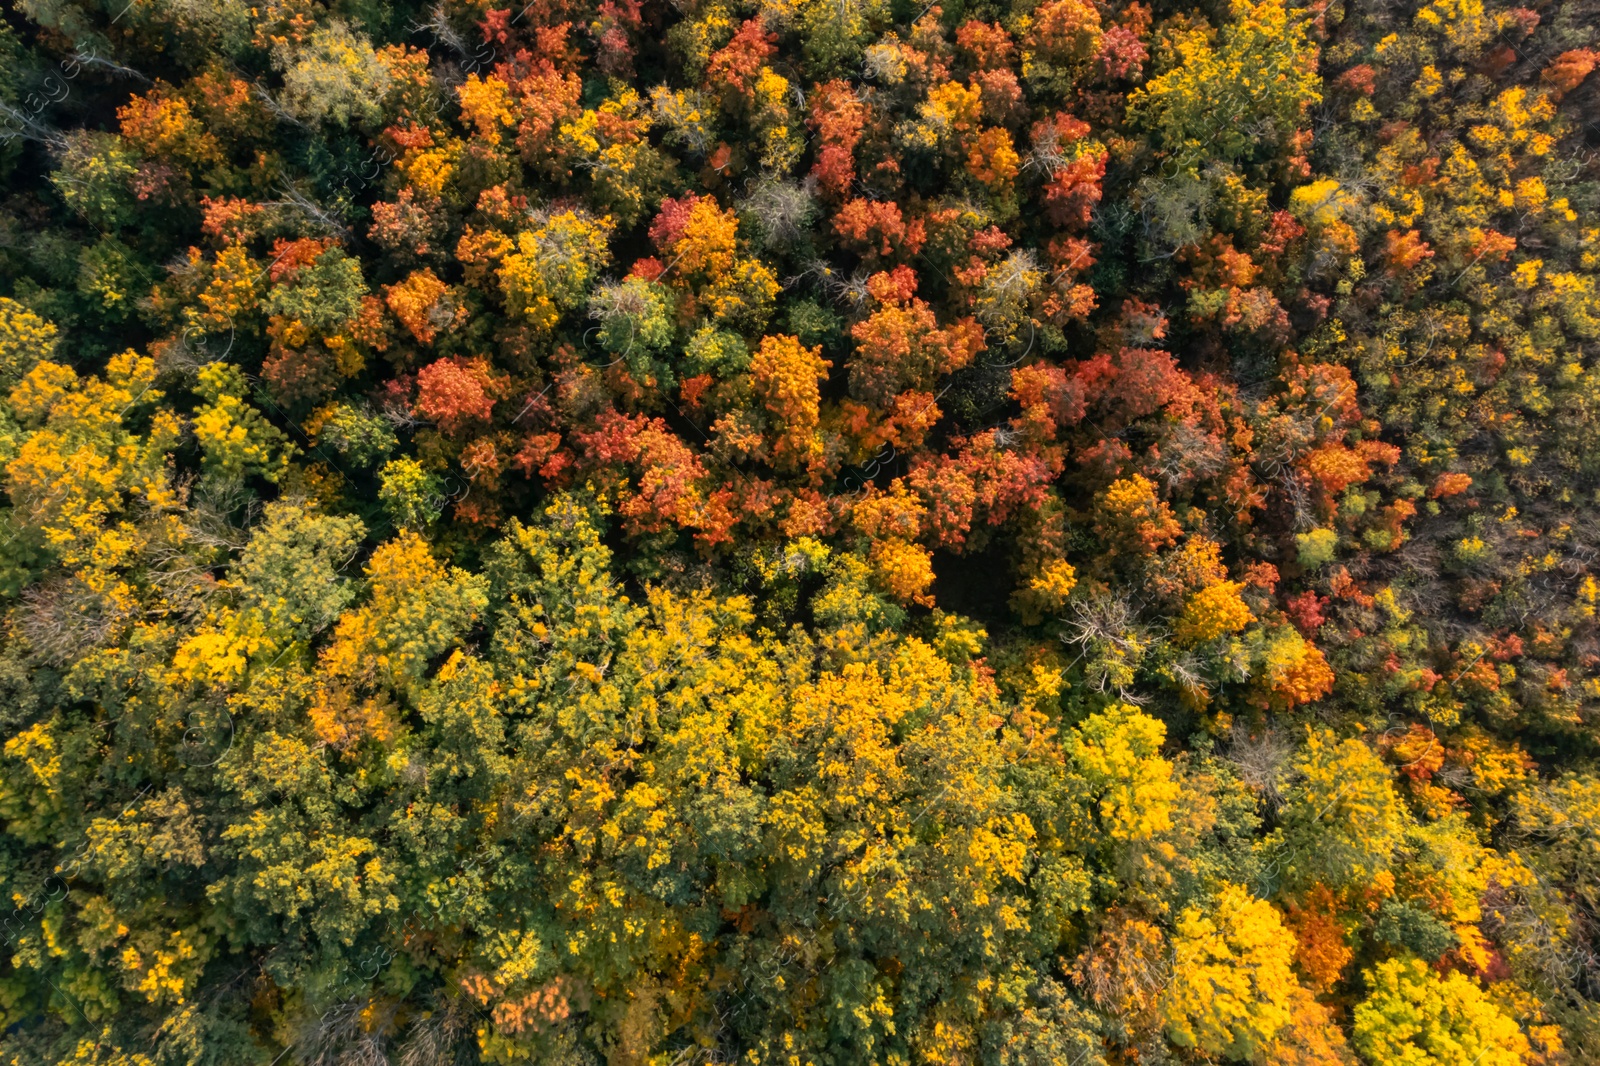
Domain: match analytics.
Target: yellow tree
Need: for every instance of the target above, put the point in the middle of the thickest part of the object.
(1218, 101)
(1232, 985)
(554, 266)
(787, 378)
(1414, 1016)
(1342, 820)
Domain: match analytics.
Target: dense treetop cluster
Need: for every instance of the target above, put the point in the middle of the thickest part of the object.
(800, 532)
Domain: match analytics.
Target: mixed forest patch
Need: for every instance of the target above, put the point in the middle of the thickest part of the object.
(809, 532)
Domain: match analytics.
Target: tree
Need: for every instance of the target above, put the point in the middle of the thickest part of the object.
(900, 345)
(1231, 984)
(1117, 753)
(785, 376)
(553, 267)
(1414, 1015)
(237, 439)
(1260, 76)
(831, 602)
(1343, 820)
(334, 76)
(292, 568)
(416, 610)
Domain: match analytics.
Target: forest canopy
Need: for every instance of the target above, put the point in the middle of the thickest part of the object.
(800, 532)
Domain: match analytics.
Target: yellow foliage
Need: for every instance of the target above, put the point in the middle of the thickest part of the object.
(236, 439)
(416, 303)
(1215, 102)
(486, 104)
(1232, 986)
(1118, 753)
(1414, 1016)
(1213, 612)
(1345, 819)
(1130, 511)
(1045, 591)
(71, 475)
(553, 266)
(1321, 203)
(416, 606)
(787, 377)
(904, 570)
(25, 340)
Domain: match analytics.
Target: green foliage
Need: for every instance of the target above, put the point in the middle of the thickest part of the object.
(1228, 94)
(322, 297)
(1409, 927)
(1412, 1015)
(291, 569)
(1317, 548)
(333, 77)
(359, 435)
(93, 178)
(412, 495)
(236, 438)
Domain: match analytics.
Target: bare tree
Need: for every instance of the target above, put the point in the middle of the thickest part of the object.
(1260, 760)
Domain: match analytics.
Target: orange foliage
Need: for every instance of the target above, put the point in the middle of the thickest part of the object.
(457, 393)
(786, 376)
(1322, 948)
(736, 65)
(838, 116)
(416, 303)
(1569, 69)
(1405, 250)
(875, 227)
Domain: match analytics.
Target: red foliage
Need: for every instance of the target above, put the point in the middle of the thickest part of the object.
(1262, 576)
(545, 90)
(1525, 20)
(1283, 229)
(983, 480)
(667, 493)
(1322, 949)
(901, 345)
(289, 257)
(541, 453)
(838, 116)
(1142, 323)
(1305, 611)
(612, 30)
(1335, 467)
(649, 268)
(1134, 383)
(496, 26)
(1361, 78)
(406, 226)
(294, 375)
(1051, 399)
(1493, 246)
(1122, 54)
(229, 218)
(1069, 256)
(670, 222)
(1074, 190)
(1064, 30)
(1001, 94)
